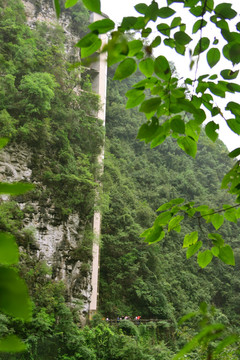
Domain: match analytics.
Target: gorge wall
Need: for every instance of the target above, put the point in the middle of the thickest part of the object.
(63, 241)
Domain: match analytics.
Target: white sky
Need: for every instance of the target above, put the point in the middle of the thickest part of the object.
(116, 10)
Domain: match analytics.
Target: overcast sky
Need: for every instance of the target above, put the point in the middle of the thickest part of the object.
(118, 9)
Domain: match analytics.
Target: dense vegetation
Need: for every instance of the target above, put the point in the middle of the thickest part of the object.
(157, 281)
(40, 105)
(40, 109)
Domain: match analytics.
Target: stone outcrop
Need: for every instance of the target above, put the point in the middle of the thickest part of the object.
(55, 241)
(43, 11)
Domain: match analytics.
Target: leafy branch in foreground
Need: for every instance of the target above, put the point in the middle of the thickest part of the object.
(212, 337)
(216, 246)
(14, 298)
(172, 109)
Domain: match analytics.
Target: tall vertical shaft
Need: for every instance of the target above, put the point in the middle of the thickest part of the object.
(99, 86)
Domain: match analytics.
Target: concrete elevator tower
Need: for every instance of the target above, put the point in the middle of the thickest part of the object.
(99, 86)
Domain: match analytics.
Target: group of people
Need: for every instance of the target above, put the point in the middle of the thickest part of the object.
(119, 318)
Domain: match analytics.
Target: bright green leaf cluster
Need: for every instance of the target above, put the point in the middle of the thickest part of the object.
(168, 104)
(14, 298)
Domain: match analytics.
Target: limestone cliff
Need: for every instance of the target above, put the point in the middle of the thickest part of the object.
(63, 242)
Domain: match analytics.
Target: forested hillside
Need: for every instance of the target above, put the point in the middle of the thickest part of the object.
(46, 110)
(157, 281)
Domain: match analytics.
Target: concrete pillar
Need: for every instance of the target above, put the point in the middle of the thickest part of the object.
(99, 85)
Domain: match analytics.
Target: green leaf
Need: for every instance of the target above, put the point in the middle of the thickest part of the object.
(164, 29)
(176, 22)
(3, 142)
(169, 2)
(204, 258)
(213, 77)
(162, 68)
(225, 11)
(216, 89)
(226, 255)
(146, 32)
(87, 51)
(217, 220)
(128, 23)
(151, 12)
(57, 8)
(153, 234)
(193, 129)
(207, 331)
(87, 40)
(215, 250)
(187, 317)
(102, 26)
(210, 130)
(134, 47)
(156, 42)
(177, 125)
(93, 5)
(136, 98)
(170, 42)
(15, 188)
(193, 249)
(146, 66)
(188, 145)
(231, 215)
(216, 239)
(213, 57)
(165, 12)
(233, 107)
(163, 218)
(14, 299)
(126, 68)
(178, 93)
(196, 10)
(199, 24)
(215, 111)
(148, 131)
(182, 38)
(141, 8)
(234, 53)
(11, 344)
(174, 222)
(150, 105)
(190, 239)
(226, 342)
(228, 74)
(8, 249)
(234, 125)
(170, 204)
(70, 3)
(201, 46)
(234, 153)
(231, 51)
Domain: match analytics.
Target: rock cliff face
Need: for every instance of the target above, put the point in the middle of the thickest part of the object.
(57, 241)
(43, 11)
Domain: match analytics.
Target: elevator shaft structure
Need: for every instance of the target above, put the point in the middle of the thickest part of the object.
(99, 86)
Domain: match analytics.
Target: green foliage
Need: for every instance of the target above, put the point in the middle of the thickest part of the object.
(141, 285)
(39, 105)
(178, 41)
(37, 90)
(211, 337)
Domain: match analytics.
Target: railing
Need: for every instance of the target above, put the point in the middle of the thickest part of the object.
(135, 321)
